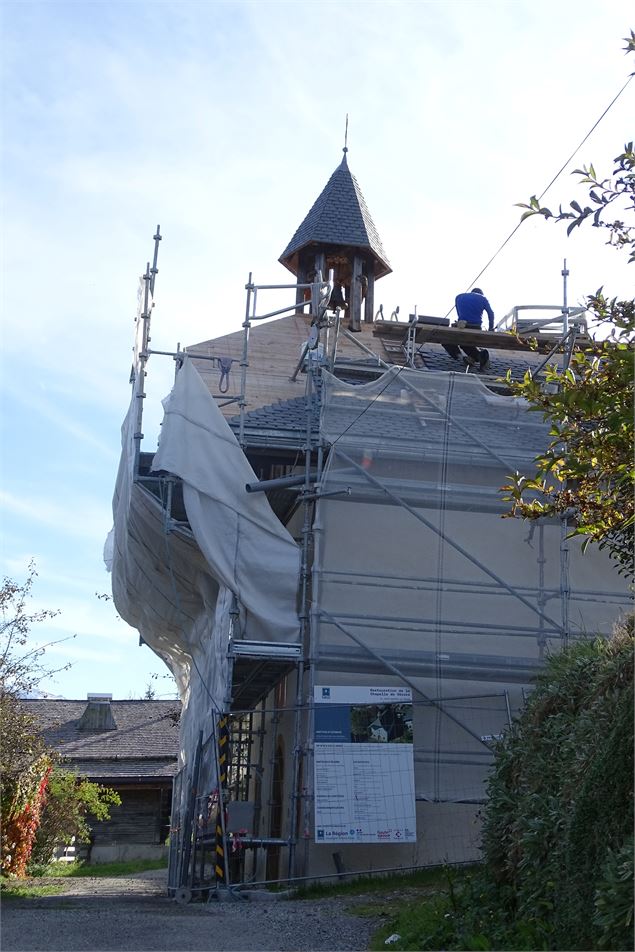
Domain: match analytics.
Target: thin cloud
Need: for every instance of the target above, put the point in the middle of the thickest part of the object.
(15, 567)
(86, 521)
(87, 618)
(70, 651)
(30, 401)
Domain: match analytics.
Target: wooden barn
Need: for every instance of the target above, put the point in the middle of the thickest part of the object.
(130, 746)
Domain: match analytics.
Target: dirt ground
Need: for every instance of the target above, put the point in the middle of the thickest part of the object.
(135, 915)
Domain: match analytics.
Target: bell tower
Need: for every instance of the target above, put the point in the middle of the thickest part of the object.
(339, 233)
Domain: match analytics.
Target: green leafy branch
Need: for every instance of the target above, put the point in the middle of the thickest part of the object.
(602, 194)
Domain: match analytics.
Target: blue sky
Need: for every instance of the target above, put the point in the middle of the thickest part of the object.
(222, 122)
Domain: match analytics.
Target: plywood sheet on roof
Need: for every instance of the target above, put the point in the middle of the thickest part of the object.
(274, 351)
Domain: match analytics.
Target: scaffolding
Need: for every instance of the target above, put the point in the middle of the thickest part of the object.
(405, 578)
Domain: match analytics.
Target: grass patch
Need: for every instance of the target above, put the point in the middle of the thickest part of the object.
(425, 909)
(100, 870)
(454, 915)
(421, 880)
(25, 889)
(415, 904)
(412, 921)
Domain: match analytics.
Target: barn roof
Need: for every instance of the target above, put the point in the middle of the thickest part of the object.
(142, 744)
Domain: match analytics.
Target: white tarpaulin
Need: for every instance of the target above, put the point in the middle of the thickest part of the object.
(175, 586)
(244, 544)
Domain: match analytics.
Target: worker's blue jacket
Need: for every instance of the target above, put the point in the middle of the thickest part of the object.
(470, 307)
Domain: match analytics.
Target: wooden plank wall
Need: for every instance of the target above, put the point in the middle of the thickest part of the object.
(138, 820)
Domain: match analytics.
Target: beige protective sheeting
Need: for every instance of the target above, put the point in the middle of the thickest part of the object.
(418, 578)
(176, 587)
(247, 549)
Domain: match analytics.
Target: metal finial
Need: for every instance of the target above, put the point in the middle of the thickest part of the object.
(345, 149)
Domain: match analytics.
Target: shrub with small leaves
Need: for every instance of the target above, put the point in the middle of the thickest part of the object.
(21, 819)
(71, 801)
(613, 917)
(561, 794)
(25, 761)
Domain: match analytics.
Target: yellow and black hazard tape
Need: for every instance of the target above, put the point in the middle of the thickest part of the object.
(219, 865)
(223, 751)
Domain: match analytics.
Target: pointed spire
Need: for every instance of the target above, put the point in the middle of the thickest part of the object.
(345, 149)
(339, 216)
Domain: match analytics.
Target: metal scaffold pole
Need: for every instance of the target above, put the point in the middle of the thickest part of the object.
(154, 270)
(142, 349)
(140, 370)
(221, 869)
(244, 361)
(565, 309)
(296, 815)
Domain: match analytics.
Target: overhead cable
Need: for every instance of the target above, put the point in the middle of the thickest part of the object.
(552, 182)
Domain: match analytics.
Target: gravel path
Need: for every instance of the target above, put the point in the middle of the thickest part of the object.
(134, 915)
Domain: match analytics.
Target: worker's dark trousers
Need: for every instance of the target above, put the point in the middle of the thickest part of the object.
(468, 349)
(473, 352)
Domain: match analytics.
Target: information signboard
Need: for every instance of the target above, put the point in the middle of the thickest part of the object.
(364, 768)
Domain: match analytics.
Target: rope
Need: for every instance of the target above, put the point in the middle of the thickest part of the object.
(552, 182)
(224, 365)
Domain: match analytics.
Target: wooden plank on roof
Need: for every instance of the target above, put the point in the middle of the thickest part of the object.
(432, 333)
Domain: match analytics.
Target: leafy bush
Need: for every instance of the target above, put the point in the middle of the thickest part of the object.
(561, 793)
(69, 801)
(25, 761)
(557, 835)
(21, 802)
(613, 917)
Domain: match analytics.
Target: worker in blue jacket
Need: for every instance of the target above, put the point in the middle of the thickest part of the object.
(469, 308)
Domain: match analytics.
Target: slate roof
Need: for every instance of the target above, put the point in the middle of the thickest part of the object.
(339, 216)
(144, 745)
(434, 357)
(287, 415)
(472, 428)
(398, 427)
(284, 422)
